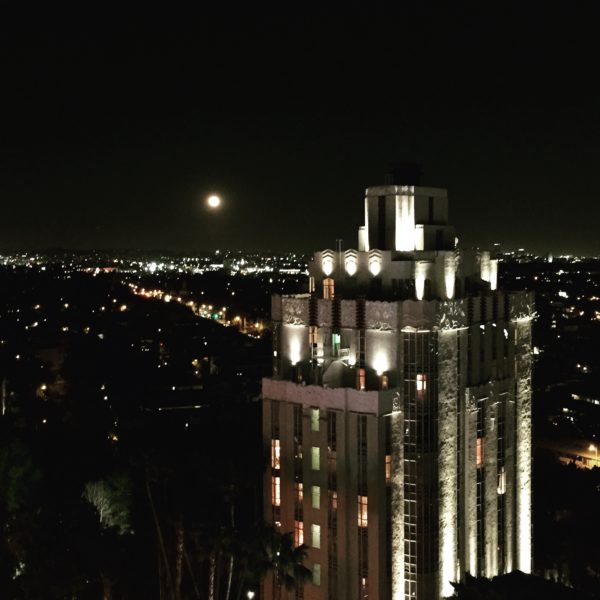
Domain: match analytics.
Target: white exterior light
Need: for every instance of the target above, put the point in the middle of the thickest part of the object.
(493, 274)
(420, 276)
(375, 263)
(485, 266)
(381, 363)
(327, 263)
(351, 263)
(294, 352)
(450, 275)
(405, 223)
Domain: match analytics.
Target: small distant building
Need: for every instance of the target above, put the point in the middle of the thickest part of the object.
(398, 416)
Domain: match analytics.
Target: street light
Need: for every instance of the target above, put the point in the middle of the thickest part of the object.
(594, 448)
(250, 594)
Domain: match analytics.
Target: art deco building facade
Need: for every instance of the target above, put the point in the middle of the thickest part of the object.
(398, 416)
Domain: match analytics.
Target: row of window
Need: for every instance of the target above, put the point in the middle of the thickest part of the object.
(363, 501)
(316, 458)
(315, 492)
(315, 533)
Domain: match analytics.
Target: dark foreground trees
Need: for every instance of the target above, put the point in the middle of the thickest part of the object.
(515, 586)
(567, 522)
(168, 510)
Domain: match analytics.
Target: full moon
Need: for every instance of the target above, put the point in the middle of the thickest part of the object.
(214, 201)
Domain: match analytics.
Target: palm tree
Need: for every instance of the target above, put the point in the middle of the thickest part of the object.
(286, 562)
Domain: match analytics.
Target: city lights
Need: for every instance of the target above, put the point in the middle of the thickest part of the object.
(594, 448)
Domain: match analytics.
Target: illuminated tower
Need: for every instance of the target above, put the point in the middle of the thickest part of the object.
(398, 417)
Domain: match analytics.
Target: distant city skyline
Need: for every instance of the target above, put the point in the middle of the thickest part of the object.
(149, 253)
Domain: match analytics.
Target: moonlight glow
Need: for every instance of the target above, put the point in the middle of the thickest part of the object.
(213, 201)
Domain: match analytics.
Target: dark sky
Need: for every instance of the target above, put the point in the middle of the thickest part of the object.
(114, 130)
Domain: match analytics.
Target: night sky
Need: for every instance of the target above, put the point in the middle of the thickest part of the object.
(114, 130)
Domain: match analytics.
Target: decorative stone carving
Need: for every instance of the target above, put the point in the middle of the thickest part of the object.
(397, 512)
(348, 313)
(417, 315)
(451, 315)
(521, 307)
(448, 448)
(381, 316)
(295, 310)
(324, 313)
(523, 445)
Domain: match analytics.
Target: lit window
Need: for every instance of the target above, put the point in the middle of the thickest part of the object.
(383, 381)
(315, 534)
(328, 288)
(361, 382)
(299, 492)
(336, 340)
(334, 500)
(315, 458)
(314, 419)
(316, 496)
(363, 510)
(388, 468)
(363, 585)
(298, 533)
(501, 481)
(275, 454)
(316, 574)
(479, 452)
(276, 491)
(421, 383)
(312, 335)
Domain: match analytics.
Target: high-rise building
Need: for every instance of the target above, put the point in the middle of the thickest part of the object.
(398, 416)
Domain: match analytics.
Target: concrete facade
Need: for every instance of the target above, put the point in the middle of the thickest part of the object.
(398, 417)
